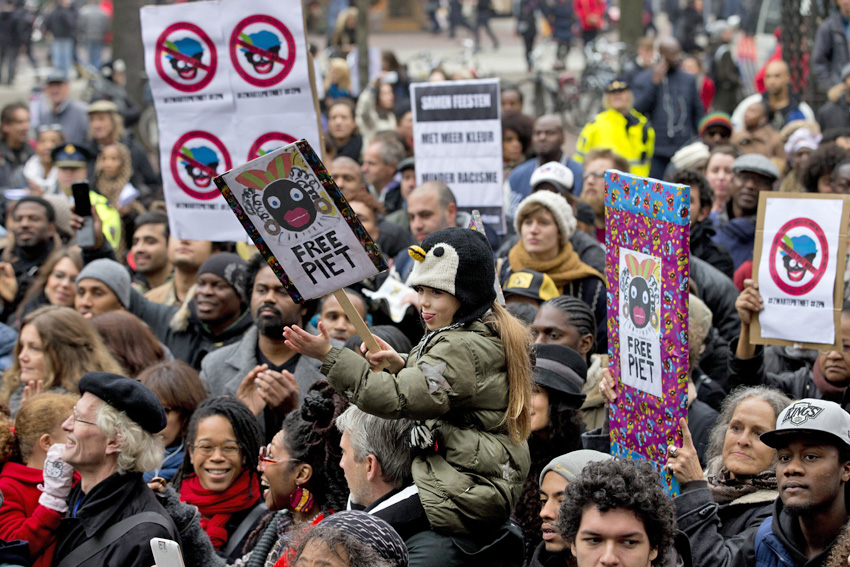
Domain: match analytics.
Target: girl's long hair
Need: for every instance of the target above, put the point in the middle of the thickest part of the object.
(517, 341)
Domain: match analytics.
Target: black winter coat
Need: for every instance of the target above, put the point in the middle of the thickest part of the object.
(110, 501)
(719, 294)
(704, 248)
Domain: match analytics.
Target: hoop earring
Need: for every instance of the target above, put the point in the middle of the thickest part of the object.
(301, 500)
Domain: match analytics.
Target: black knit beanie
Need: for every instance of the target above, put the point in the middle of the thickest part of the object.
(458, 261)
(231, 268)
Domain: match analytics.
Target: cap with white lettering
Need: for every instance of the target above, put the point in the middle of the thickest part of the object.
(809, 416)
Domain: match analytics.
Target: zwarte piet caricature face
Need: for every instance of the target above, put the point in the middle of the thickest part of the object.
(640, 303)
(289, 205)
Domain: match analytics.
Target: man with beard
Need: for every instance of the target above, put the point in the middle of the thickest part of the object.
(812, 441)
(34, 231)
(260, 369)
(736, 230)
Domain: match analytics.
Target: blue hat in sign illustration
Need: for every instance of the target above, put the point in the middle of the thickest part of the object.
(200, 163)
(189, 47)
(265, 40)
(805, 247)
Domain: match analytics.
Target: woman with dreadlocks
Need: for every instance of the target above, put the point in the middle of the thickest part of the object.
(569, 321)
(303, 483)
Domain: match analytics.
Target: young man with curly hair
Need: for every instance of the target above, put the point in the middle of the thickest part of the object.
(617, 513)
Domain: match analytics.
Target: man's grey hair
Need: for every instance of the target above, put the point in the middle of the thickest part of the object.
(390, 152)
(386, 439)
(140, 450)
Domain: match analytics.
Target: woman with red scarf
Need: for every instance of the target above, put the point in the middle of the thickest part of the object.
(219, 473)
(23, 450)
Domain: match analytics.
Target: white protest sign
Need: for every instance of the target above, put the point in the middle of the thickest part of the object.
(798, 267)
(186, 58)
(640, 318)
(300, 222)
(230, 83)
(458, 134)
(192, 154)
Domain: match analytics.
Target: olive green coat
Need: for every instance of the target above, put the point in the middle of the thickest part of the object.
(459, 387)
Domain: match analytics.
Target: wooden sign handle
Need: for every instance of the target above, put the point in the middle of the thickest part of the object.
(357, 321)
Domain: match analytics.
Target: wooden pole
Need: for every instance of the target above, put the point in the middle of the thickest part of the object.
(357, 321)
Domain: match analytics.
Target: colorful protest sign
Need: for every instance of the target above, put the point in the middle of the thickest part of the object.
(231, 82)
(647, 241)
(291, 208)
(798, 264)
(458, 133)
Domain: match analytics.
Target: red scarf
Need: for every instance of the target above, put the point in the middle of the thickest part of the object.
(217, 507)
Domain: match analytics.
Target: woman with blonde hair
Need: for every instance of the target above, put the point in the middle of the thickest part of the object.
(337, 81)
(344, 37)
(24, 446)
(55, 348)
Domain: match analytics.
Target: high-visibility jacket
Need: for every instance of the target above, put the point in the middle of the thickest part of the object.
(629, 136)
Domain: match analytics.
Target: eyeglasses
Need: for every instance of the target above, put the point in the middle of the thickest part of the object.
(77, 419)
(265, 456)
(600, 174)
(825, 352)
(49, 128)
(228, 450)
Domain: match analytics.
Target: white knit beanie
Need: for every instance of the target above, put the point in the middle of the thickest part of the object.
(555, 204)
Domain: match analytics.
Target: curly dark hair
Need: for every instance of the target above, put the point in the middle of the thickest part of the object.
(523, 125)
(311, 437)
(563, 435)
(822, 162)
(615, 484)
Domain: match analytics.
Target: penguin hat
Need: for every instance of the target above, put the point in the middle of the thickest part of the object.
(458, 261)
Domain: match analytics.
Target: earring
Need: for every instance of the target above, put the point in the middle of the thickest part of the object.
(301, 500)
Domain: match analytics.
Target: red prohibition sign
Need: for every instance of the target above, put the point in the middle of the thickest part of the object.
(162, 50)
(778, 245)
(177, 157)
(284, 139)
(237, 44)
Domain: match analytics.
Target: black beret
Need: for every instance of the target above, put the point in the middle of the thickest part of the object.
(562, 370)
(127, 395)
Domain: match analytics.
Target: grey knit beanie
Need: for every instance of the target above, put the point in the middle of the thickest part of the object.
(112, 274)
(570, 465)
(556, 204)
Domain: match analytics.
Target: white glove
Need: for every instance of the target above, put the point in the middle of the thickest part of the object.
(58, 478)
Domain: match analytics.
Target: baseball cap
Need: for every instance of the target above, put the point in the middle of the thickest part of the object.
(810, 416)
(529, 283)
(56, 76)
(555, 173)
(406, 163)
(756, 163)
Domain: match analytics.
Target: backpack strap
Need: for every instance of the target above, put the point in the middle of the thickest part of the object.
(113, 533)
(244, 526)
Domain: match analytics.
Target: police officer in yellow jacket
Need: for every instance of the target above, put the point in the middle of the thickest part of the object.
(71, 161)
(619, 128)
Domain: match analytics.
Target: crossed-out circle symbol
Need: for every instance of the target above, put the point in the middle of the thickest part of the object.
(779, 245)
(178, 157)
(256, 147)
(186, 62)
(239, 46)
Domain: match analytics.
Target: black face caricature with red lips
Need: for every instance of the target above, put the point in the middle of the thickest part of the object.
(289, 205)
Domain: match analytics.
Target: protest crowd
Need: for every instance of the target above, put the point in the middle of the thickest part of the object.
(160, 387)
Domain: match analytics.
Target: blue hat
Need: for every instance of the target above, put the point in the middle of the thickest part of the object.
(70, 155)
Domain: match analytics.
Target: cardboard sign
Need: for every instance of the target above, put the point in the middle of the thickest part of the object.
(291, 208)
(458, 132)
(230, 82)
(798, 263)
(647, 226)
